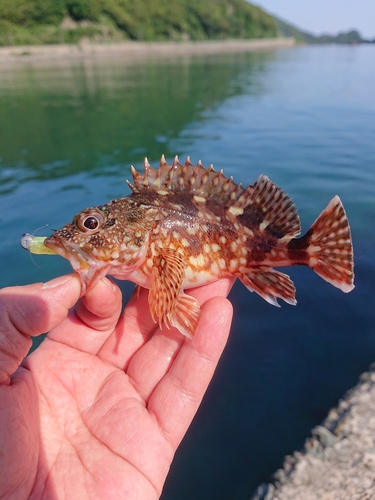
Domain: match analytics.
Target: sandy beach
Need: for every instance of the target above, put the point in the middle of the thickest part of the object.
(138, 49)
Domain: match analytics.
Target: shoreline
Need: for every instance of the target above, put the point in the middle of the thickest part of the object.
(139, 49)
(338, 460)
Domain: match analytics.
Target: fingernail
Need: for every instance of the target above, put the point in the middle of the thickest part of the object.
(57, 282)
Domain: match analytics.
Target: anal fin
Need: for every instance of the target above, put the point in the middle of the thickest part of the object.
(270, 285)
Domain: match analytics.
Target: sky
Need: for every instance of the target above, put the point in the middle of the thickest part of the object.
(325, 16)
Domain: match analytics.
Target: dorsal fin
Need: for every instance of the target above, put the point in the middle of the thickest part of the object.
(268, 206)
(263, 202)
(200, 181)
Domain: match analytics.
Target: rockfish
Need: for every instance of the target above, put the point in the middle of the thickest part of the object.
(184, 226)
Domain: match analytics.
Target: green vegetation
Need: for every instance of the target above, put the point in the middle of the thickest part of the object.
(351, 37)
(286, 29)
(25, 22)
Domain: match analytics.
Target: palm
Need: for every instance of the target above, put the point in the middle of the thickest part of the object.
(110, 399)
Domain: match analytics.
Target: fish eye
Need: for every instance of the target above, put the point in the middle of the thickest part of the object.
(91, 221)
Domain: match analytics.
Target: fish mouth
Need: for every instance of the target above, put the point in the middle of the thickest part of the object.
(90, 270)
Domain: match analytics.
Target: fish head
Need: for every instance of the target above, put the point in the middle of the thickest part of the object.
(111, 238)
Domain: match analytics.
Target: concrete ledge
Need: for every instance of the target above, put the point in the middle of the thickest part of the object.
(338, 461)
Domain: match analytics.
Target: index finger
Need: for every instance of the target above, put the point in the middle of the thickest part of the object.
(176, 398)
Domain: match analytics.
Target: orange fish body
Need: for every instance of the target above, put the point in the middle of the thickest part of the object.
(184, 226)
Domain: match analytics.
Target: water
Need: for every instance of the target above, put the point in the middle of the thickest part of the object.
(69, 131)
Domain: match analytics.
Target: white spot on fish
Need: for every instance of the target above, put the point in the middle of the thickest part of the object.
(313, 261)
(189, 274)
(214, 268)
(313, 249)
(248, 231)
(199, 199)
(233, 264)
(197, 261)
(235, 210)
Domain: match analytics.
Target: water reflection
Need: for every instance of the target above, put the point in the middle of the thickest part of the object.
(78, 115)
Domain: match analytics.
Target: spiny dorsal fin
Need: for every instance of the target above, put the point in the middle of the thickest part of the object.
(200, 181)
(265, 205)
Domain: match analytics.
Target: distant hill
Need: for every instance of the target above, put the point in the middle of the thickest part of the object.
(24, 22)
(350, 37)
(35, 22)
(286, 29)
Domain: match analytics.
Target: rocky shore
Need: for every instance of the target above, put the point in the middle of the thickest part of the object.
(338, 461)
(139, 49)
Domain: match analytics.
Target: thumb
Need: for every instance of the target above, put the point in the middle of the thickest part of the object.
(27, 311)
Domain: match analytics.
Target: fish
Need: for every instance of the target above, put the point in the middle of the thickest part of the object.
(184, 225)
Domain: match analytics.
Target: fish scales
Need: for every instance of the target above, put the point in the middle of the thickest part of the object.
(183, 226)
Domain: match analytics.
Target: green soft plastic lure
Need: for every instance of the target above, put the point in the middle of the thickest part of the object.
(35, 244)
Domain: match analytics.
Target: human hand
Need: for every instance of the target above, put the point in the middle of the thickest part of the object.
(98, 410)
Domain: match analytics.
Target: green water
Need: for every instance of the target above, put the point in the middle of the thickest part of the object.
(78, 116)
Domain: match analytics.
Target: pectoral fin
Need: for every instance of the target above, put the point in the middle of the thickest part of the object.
(186, 315)
(167, 301)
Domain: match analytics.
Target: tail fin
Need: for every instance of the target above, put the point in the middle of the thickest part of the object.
(330, 247)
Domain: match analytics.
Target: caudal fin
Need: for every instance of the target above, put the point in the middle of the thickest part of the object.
(330, 247)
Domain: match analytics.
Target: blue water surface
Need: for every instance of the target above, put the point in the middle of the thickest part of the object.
(69, 131)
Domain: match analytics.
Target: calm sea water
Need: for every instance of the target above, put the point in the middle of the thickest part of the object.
(69, 131)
